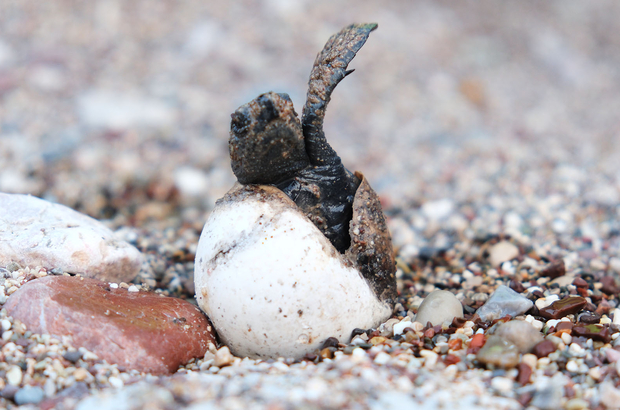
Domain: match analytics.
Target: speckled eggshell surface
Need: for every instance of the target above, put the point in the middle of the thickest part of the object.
(271, 283)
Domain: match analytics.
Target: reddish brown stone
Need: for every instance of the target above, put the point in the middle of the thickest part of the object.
(603, 308)
(555, 270)
(451, 359)
(476, 343)
(563, 307)
(136, 330)
(580, 283)
(525, 372)
(609, 285)
(544, 348)
(564, 326)
(593, 331)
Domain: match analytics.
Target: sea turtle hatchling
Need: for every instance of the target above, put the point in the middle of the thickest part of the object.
(298, 250)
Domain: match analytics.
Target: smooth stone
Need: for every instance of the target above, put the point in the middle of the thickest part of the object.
(29, 395)
(593, 331)
(504, 301)
(34, 232)
(549, 395)
(544, 348)
(438, 307)
(609, 395)
(554, 271)
(520, 333)
(136, 330)
(564, 307)
(502, 252)
(498, 352)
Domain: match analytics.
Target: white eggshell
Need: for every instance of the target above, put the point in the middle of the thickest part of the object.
(272, 284)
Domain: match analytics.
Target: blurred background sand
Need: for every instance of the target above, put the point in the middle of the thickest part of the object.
(108, 105)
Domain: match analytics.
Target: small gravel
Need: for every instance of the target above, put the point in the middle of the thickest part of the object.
(477, 124)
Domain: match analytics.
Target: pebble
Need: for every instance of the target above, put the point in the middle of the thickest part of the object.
(555, 270)
(576, 404)
(549, 393)
(544, 302)
(73, 356)
(544, 348)
(401, 326)
(437, 210)
(520, 333)
(14, 376)
(34, 232)
(525, 373)
(609, 395)
(501, 252)
(142, 324)
(502, 384)
(498, 352)
(382, 358)
(29, 395)
(438, 307)
(561, 308)
(504, 301)
(594, 332)
(223, 357)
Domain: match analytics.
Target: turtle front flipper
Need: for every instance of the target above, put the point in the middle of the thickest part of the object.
(330, 67)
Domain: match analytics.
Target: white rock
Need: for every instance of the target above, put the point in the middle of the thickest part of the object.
(14, 376)
(439, 306)
(501, 252)
(273, 285)
(401, 326)
(34, 232)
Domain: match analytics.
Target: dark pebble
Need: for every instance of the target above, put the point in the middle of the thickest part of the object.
(517, 286)
(564, 326)
(357, 332)
(329, 342)
(554, 271)
(458, 322)
(544, 348)
(589, 318)
(580, 283)
(593, 331)
(563, 307)
(73, 356)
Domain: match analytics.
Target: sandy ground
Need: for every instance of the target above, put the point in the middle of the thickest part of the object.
(476, 117)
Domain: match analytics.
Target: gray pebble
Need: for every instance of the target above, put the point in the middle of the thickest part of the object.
(504, 301)
(549, 397)
(520, 333)
(72, 356)
(29, 395)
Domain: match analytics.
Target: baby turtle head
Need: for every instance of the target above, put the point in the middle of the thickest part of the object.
(266, 141)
